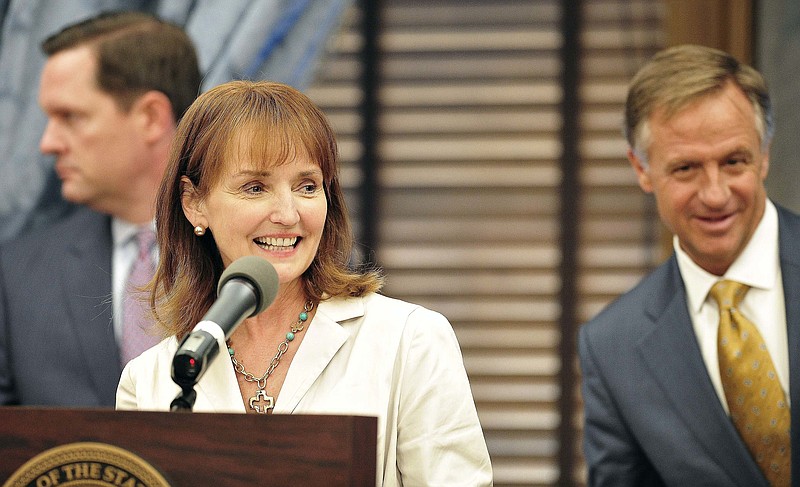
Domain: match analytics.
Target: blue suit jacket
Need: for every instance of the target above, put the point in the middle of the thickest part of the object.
(652, 416)
(57, 344)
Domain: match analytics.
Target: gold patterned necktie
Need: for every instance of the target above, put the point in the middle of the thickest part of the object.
(755, 397)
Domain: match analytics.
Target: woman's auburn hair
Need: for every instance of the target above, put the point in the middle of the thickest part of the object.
(281, 123)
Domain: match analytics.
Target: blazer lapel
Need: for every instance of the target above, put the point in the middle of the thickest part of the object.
(788, 234)
(325, 338)
(86, 284)
(218, 386)
(686, 385)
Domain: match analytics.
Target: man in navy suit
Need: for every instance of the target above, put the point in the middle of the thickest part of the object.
(699, 125)
(113, 88)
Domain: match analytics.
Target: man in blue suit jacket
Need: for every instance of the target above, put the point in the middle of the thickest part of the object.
(112, 88)
(699, 125)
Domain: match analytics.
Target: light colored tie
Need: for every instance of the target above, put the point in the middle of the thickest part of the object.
(137, 326)
(755, 397)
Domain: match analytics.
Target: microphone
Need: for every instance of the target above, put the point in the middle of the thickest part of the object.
(246, 288)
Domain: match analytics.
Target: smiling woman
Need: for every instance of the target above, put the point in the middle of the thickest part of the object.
(254, 168)
(280, 209)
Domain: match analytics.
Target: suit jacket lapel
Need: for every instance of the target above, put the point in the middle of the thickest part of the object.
(218, 386)
(86, 284)
(685, 382)
(788, 233)
(325, 338)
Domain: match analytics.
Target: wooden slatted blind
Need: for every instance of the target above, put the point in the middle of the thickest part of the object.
(620, 225)
(468, 186)
(620, 233)
(469, 204)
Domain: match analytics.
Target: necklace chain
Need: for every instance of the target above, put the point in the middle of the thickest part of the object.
(261, 382)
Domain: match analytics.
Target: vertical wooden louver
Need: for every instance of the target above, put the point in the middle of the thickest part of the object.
(468, 189)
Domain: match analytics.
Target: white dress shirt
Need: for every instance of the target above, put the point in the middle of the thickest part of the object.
(370, 356)
(758, 266)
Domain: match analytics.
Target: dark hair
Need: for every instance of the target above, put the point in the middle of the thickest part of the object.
(136, 53)
(280, 123)
(680, 75)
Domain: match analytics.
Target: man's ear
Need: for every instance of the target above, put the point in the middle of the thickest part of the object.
(192, 204)
(642, 171)
(154, 116)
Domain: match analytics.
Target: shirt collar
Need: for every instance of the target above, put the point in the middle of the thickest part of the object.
(757, 266)
(123, 232)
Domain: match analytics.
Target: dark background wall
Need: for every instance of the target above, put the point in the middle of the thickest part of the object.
(777, 55)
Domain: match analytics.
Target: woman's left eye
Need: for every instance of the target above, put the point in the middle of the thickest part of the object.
(254, 189)
(308, 188)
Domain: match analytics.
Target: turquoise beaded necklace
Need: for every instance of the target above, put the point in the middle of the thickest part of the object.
(261, 402)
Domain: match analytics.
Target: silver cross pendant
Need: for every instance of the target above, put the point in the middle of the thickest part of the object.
(269, 402)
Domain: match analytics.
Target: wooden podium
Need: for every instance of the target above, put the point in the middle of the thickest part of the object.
(193, 449)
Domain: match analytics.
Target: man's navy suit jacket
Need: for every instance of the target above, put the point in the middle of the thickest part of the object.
(652, 415)
(57, 345)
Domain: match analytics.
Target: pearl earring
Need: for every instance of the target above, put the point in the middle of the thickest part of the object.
(199, 230)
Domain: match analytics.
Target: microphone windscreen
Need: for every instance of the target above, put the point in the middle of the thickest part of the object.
(259, 273)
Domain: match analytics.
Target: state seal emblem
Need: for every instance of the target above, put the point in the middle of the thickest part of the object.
(86, 464)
